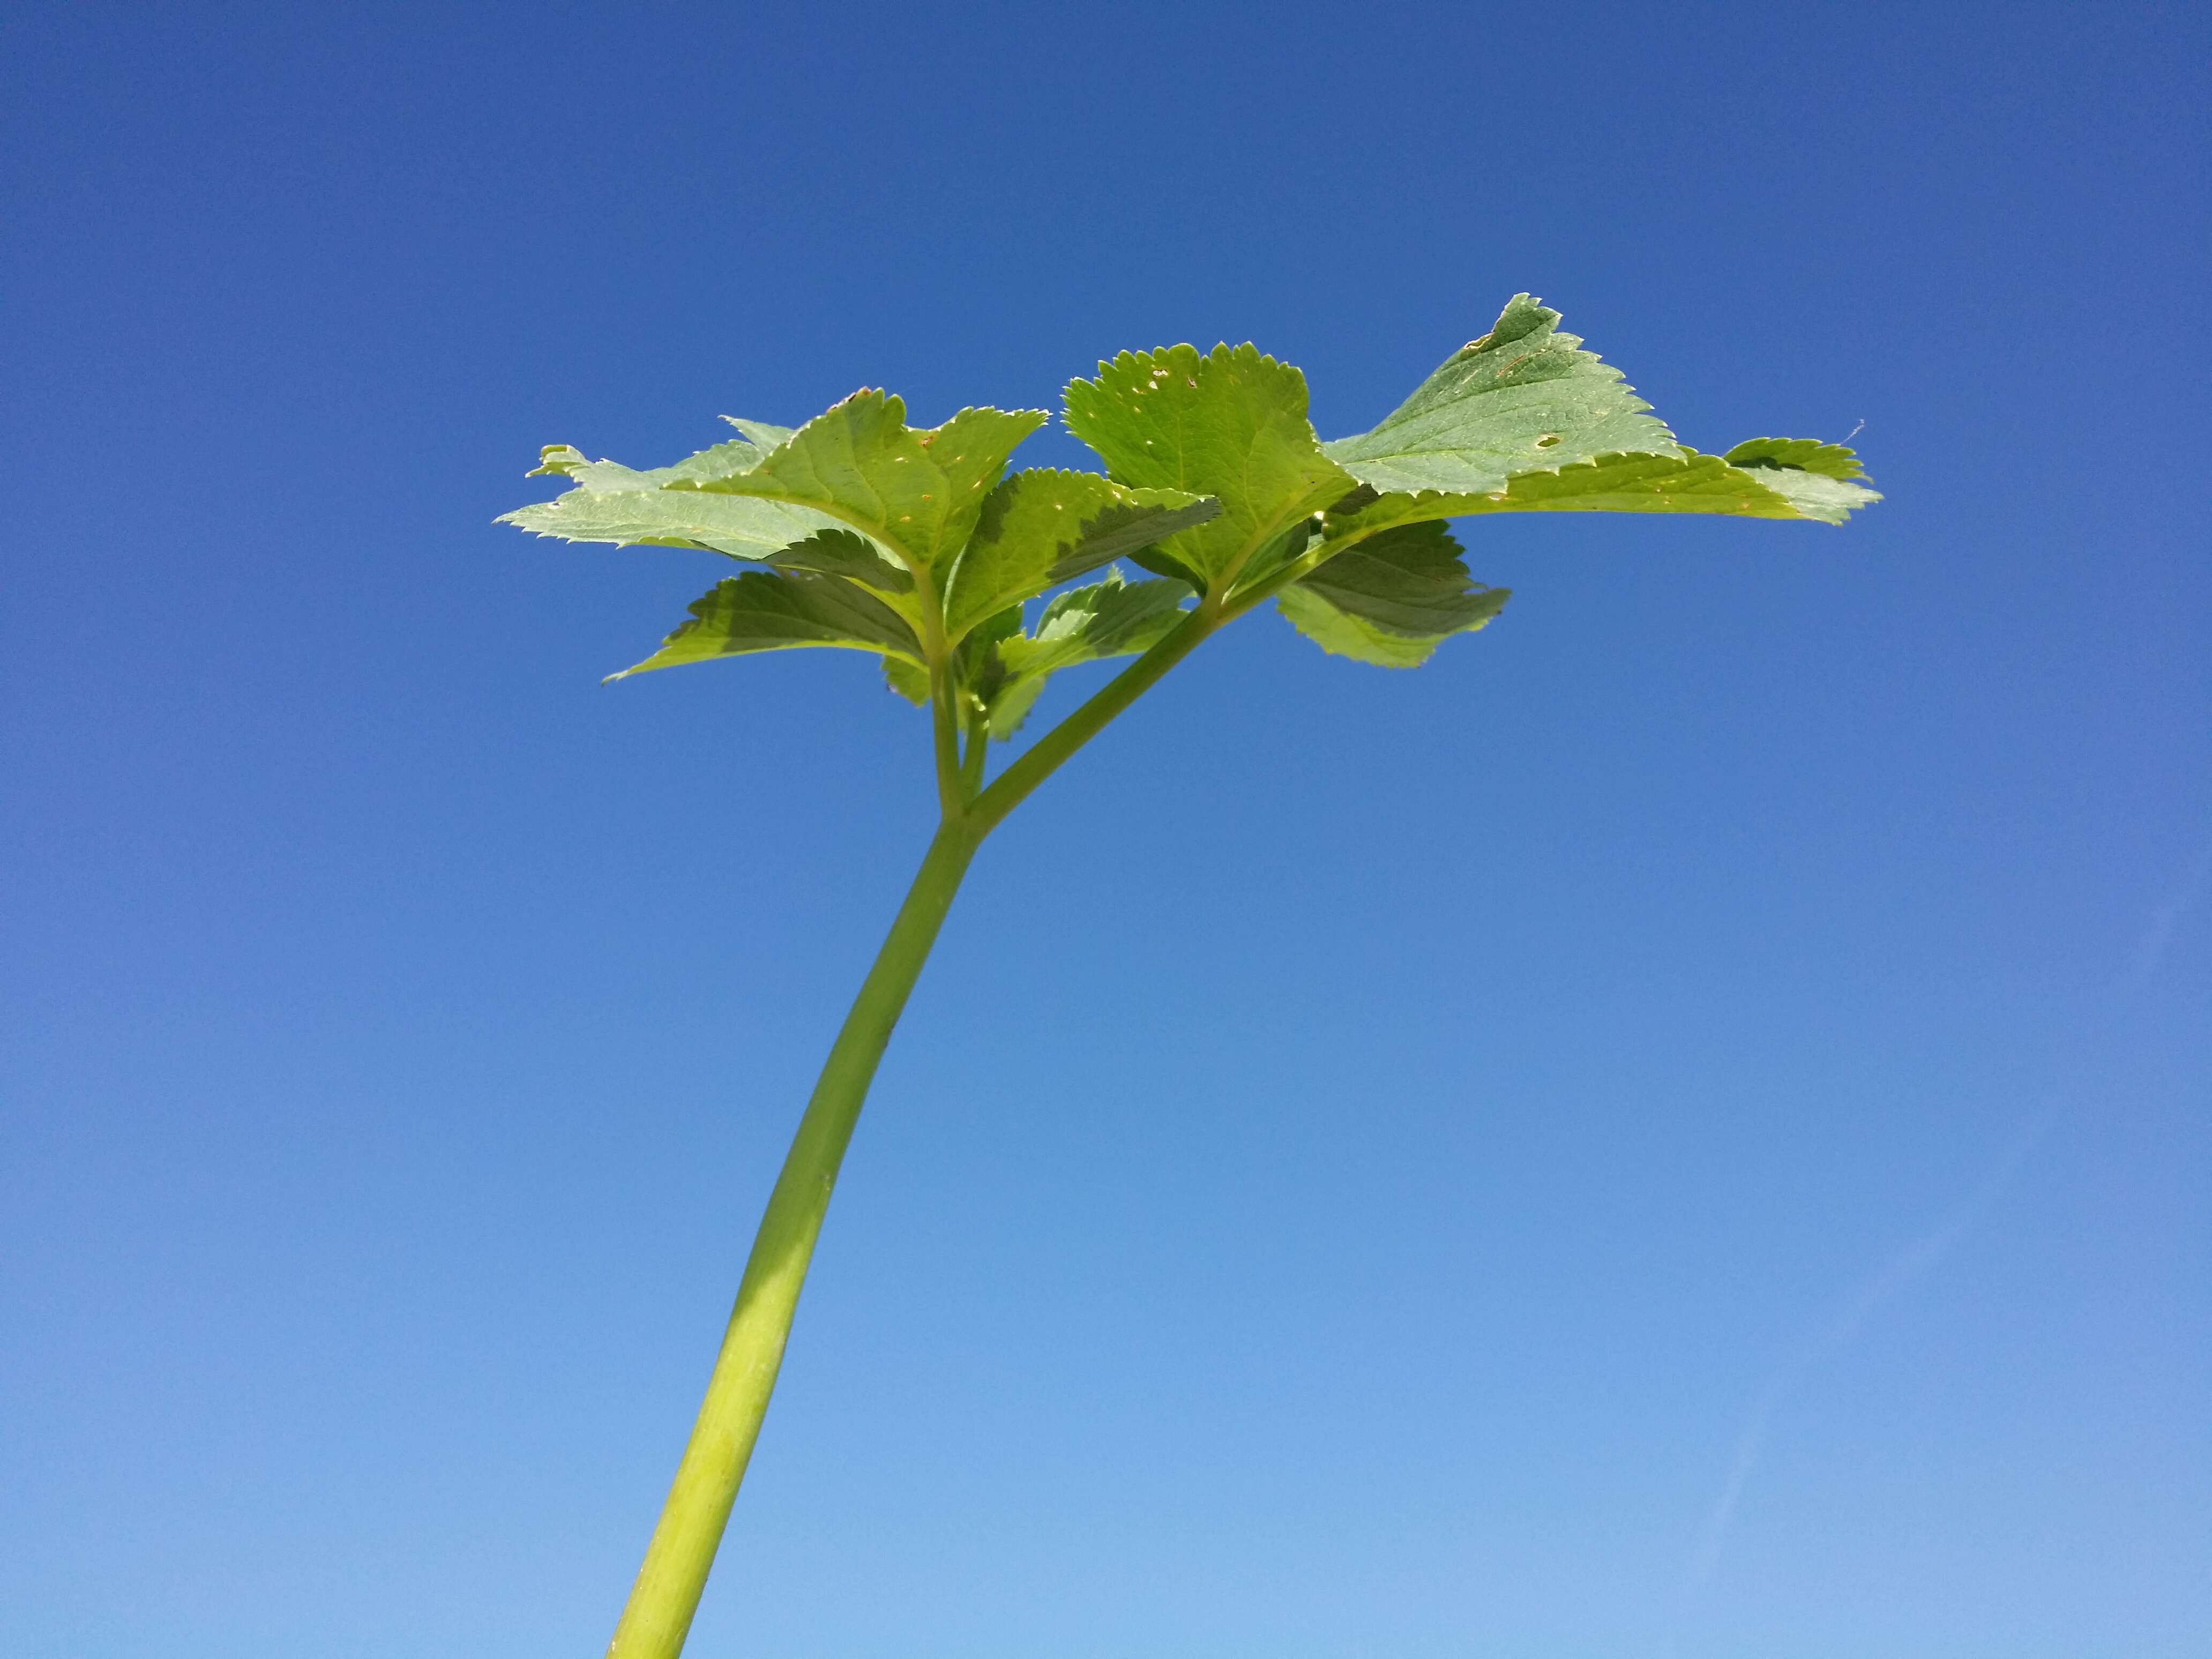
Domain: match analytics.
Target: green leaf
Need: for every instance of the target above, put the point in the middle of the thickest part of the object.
(1813, 494)
(982, 675)
(717, 460)
(1524, 420)
(847, 553)
(1042, 527)
(1393, 598)
(918, 492)
(1230, 425)
(1804, 454)
(1284, 548)
(975, 663)
(1012, 704)
(1109, 618)
(909, 679)
(614, 504)
(1524, 396)
(1818, 479)
(776, 611)
(557, 460)
(764, 436)
(1687, 482)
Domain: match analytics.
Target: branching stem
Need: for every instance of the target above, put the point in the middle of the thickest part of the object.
(659, 1613)
(1046, 756)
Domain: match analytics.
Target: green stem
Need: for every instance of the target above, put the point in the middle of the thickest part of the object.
(658, 1613)
(1046, 756)
(945, 731)
(973, 760)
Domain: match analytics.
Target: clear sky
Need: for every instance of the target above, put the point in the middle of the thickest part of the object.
(1677, 1131)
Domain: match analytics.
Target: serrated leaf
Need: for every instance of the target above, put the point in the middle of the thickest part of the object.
(1393, 598)
(764, 436)
(1012, 704)
(1109, 618)
(1691, 483)
(1524, 396)
(631, 507)
(1128, 526)
(847, 553)
(1814, 496)
(975, 661)
(918, 491)
(776, 611)
(1230, 423)
(1281, 551)
(982, 675)
(729, 524)
(1820, 480)
(718, 460)
(1804, 454)
(909, 679)
(557, 460)
(1044, 526)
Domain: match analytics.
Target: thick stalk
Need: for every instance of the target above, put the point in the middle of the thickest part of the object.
(658, 1613)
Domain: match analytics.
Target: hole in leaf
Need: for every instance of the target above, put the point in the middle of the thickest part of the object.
(1547, 440)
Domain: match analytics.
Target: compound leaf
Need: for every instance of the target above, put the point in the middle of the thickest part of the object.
(776, 611)
(917, 491)
(1041, 527)
(1231, 424)
(1393, 598)
(1524, 396)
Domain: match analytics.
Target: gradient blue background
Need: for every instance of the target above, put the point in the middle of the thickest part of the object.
(1680, 1129)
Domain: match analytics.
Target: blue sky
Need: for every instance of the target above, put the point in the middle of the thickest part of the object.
(1679, 1130)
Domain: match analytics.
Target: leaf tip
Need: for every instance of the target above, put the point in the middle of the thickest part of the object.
(558, 460)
